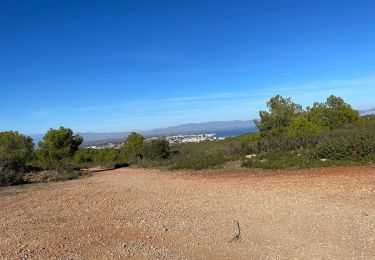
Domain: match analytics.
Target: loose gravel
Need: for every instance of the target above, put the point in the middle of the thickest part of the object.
(150, 214)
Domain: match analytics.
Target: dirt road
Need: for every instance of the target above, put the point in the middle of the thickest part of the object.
(147, 214)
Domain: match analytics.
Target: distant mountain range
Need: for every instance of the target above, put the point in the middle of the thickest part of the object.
(370, 111)
(220, 128)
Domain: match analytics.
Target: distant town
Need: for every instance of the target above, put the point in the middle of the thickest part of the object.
(173, 140)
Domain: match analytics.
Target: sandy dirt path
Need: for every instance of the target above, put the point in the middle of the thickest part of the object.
(148, 214)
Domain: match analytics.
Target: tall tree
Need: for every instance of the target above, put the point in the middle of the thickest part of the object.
(133, 146)
(333, 114)
(281, 112)
(15, 150)
(156, 149)
(58, 147)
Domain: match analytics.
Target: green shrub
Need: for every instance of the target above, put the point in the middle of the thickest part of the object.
(8, 178)
(357, 148)
(120, 165)
(108, 158)
(15, 151)
(156, 149)
(58, 147)
(289, 160)
(67, 175)
(198, 162)
(133, 146)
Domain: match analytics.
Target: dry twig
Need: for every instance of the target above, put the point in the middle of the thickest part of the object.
(238, 235)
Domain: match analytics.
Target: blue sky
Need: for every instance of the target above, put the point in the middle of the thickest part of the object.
(136, 65)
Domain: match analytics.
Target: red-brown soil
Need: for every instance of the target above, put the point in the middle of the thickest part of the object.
(149, 214)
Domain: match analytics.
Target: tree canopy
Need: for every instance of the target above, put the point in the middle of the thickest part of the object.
(156, 149)
(281, 112)
(58, 147)
(333, 114)
(285, 117)
(133, 146)
(15, 150)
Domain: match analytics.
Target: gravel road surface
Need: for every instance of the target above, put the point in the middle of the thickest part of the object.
(150, 214)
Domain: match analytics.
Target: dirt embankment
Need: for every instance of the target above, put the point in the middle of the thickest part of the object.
(319, 213)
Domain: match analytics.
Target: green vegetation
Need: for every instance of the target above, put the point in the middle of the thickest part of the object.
(156, 149)
(133, 146)
(288, 119)
(15, 151)
(57, 148)
(291, 160)
(55, 152)
(325, 134)
(136, 151)
(108, 158)
(355, 144)
(209, 155)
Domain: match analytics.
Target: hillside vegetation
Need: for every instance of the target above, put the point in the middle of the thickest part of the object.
(325, 134)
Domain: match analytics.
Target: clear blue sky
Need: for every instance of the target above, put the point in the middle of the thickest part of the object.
(134, 65)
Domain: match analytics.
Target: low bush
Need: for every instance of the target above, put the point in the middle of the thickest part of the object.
(9, 178)
(358, 148)
(353, 143)
(285, 160)
(209, 155)
(117, 165)
(15, 151)
(198, 162)
(67, 175)
(109, 158)
(156, 149)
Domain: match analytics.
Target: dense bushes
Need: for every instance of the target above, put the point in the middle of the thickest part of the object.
(108, 157)
(350, 144)
(57, 148)
(289, 137)
(133, 146)
(55, 152)
(15, 151)
(208, 155)
(285, 118)
(330, 130)
(8, 177)
(282, 160)
(135, 151)
(156, 149)
(353, 149)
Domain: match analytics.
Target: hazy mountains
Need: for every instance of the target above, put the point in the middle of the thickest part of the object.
(220, 128)
(370, 111)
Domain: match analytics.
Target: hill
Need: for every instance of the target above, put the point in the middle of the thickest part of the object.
(220, 128)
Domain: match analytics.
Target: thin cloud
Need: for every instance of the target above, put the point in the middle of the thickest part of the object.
(142, 114)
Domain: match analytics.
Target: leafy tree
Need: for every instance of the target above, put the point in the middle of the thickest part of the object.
(15, 150)
(301, 127)
(281, 112)
(156, 149)
(133, 146)
(58, 147)
(333, 114)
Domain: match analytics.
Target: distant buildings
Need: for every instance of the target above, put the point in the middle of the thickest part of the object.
(106, 145)
(173, 140)
(181, 139)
